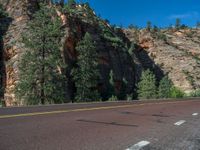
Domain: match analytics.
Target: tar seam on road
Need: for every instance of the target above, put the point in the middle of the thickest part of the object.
(83, 109)
(139, 145)
(179, 122)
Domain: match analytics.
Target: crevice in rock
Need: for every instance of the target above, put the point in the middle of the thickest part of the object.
(5, 22)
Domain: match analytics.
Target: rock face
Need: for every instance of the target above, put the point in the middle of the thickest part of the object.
(19, 13)
(173, 52)
(110, 43)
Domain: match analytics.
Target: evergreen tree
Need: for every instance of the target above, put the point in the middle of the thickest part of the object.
(147, 85)
(109, 92)
(164, 88)
(70, 3)
(111, 84)
(178, 24)
(86, 75)
(58, 1)
(198, 24)
(122, 93)
(41, 78)
(155, 29)
(2, 12)
(149, 26)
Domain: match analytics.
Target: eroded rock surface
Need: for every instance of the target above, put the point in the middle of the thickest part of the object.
(175, 52)
(112, 55)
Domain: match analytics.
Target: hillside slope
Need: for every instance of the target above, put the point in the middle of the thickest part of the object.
(110, 42)
(170, 51)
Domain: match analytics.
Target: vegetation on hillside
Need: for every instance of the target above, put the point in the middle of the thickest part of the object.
(148, 89)
(42, 72)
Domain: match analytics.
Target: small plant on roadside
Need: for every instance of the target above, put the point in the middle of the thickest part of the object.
(176, 93)
(129, 97)
(195, 93)
(113, 98)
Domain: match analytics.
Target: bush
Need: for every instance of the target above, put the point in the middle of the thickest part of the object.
(113, 98)
(161, 36)
(2, 103)
(195, 93)
(129, 97)
(176, 93)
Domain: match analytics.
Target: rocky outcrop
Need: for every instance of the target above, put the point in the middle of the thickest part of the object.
(110, 43)
(19, 13)
(173, 52)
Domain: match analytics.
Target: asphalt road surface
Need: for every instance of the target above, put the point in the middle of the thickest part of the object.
(163, 125)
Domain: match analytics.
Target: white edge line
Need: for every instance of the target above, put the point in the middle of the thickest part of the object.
(139, 145)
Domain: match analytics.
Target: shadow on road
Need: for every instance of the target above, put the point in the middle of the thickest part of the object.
(107, 123)
(143, 114)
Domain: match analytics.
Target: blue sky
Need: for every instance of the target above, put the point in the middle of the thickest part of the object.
(138, 12)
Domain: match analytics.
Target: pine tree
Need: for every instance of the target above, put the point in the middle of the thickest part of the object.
(178, 24)
(41, 78)
(147, 85)
(112, 83)
(149, 26)
(58, 1)
(86, 75)
(70, 3)
(198, 24)
(164, 87)
(122, 93)
(111, 88)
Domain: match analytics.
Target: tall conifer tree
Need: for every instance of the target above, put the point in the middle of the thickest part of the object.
(147, 85)
(41, 78)
(164, 88)
(86, 75)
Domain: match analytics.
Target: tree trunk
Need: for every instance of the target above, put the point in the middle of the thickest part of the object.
(42, 95)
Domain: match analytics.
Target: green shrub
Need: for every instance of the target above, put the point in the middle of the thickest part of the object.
(195, 93)
(161, 36)
(176, 93)
(113, 98)
(129, 97)
(2, 103)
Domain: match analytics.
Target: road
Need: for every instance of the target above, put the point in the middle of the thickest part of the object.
(163, 125)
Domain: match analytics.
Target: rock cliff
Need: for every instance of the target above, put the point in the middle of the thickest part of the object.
(19, 12)
(170, 51)
(124, 51)
(110, 42)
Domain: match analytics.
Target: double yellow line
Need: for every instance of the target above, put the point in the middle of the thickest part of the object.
(82, 109)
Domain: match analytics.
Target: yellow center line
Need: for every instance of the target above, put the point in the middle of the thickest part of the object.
(83, 109)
